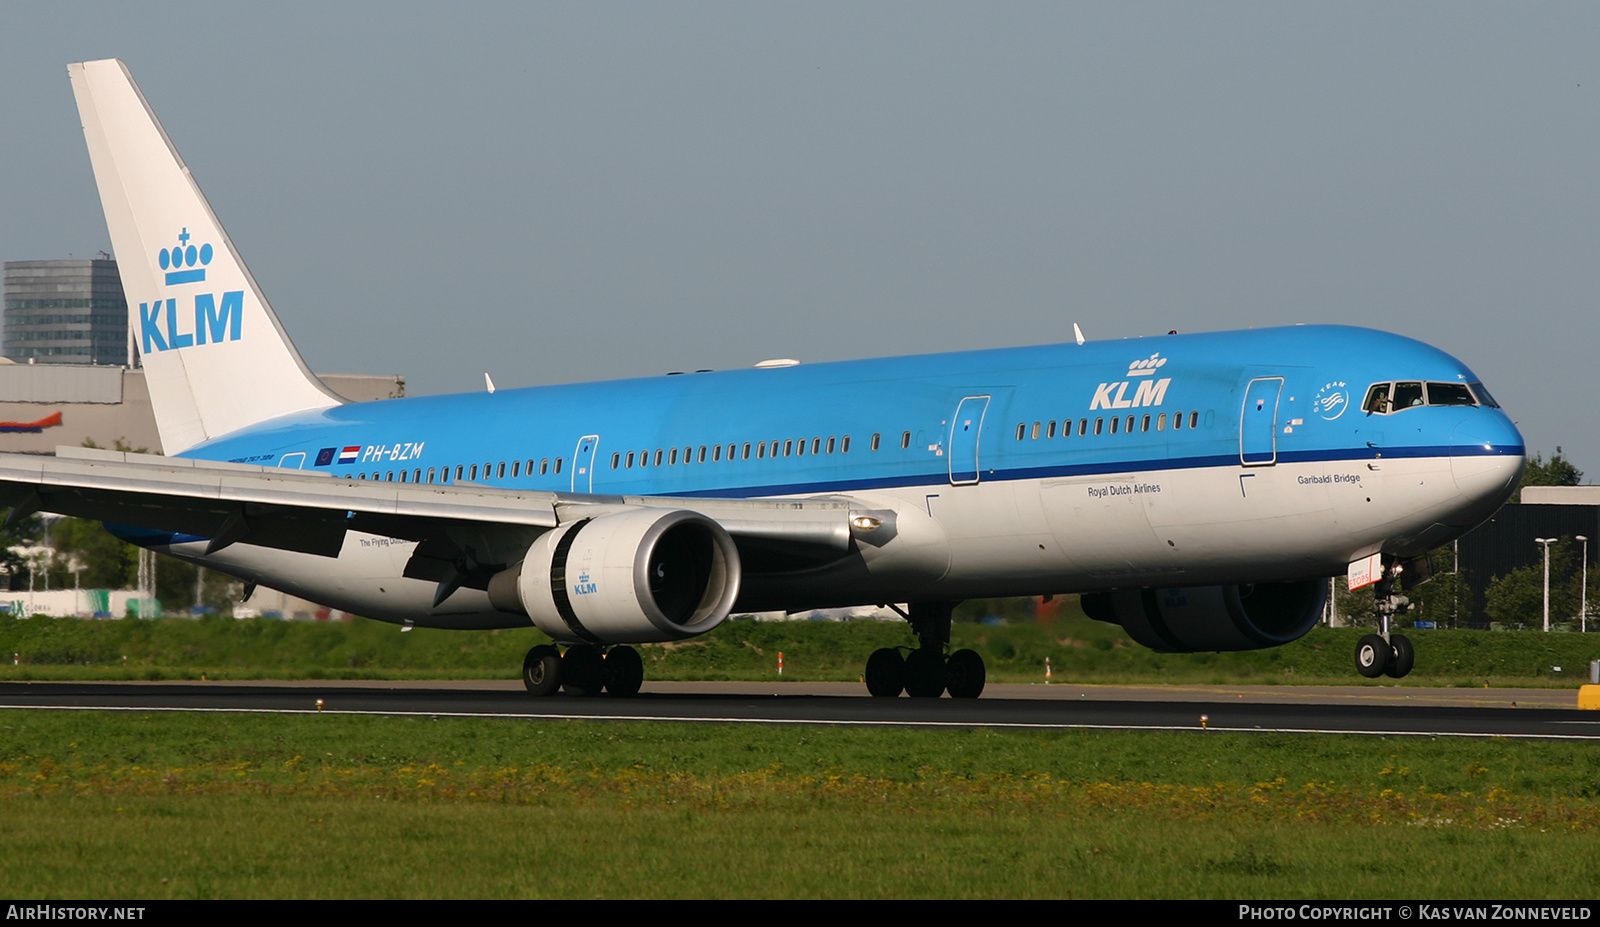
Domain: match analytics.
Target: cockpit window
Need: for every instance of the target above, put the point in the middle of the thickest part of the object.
(1450, 394)
(1384, 398)
(1405, 396)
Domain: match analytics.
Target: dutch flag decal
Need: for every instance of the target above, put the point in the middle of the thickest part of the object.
(349, 454)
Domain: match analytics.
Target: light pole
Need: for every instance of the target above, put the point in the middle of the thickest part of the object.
(1546, 542)
(1583, 609)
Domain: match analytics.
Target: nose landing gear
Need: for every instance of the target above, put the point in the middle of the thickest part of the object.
(1385, 653)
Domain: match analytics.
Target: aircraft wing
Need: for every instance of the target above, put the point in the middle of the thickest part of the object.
(311, 512)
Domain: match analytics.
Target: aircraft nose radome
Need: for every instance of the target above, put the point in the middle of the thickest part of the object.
(1486, 460)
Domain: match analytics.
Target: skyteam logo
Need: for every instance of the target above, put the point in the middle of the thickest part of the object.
(162, 327)
(1332, 400)
(1149, 392)
(185, 263)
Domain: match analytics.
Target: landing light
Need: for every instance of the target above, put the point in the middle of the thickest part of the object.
(866, 522)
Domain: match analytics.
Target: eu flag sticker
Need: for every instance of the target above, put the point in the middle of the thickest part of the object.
(325, 456)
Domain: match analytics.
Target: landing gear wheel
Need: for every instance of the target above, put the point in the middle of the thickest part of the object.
(925, 673)
(623, 672)
(541, 670)
(582, 670)
(1403, 656)
(886, 673)
(1373, 655)
(964, 674)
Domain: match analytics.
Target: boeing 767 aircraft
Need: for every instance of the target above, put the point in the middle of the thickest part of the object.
(1198, 490)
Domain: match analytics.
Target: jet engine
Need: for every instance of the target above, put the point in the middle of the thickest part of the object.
(635, 576)
(1197, 618)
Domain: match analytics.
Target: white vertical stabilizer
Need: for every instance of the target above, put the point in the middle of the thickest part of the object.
(215, 357)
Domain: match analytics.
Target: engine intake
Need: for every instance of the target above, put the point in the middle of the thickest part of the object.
(638, 576)
(1197, 618)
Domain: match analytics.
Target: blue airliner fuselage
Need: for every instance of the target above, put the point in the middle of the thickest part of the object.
(1198, 489)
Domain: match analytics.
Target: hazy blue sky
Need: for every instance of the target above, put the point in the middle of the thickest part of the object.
(589, 190)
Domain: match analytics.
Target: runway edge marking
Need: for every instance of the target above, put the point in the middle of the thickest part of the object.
(1012, 725)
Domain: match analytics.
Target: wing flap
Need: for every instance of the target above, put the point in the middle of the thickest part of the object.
(310, 511)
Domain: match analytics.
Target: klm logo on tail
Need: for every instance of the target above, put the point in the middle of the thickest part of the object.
(185, 255)
(160, 328)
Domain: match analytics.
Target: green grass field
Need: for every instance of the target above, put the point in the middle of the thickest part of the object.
(157, 806)
(1078, 650)
(133, 806)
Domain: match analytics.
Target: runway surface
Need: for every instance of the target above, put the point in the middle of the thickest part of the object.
(1390, 710)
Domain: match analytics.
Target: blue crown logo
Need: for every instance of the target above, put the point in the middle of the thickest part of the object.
(185, 263)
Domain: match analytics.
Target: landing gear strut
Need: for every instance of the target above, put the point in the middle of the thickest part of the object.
(584, 670)
(925, 672)
(1385, 653)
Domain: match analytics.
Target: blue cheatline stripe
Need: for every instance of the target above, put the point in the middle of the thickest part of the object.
(1101, 468)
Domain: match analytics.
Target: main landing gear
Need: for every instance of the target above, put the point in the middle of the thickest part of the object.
(1385, 653)
(583, 670)
(926, 672)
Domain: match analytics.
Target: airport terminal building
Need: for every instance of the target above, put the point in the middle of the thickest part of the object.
(65, 312)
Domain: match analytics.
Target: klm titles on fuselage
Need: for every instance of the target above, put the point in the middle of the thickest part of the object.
(1149, 392)
(160, 328)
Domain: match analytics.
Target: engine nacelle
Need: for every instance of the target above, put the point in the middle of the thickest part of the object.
(1197, 618)
(631, 577)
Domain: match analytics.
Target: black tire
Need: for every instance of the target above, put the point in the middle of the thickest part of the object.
(925, 673)
(1373, 654)
(964, 674)
(624, 672)
(541, 670)
(886, 673)
(1402, 656)
(582, 670)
